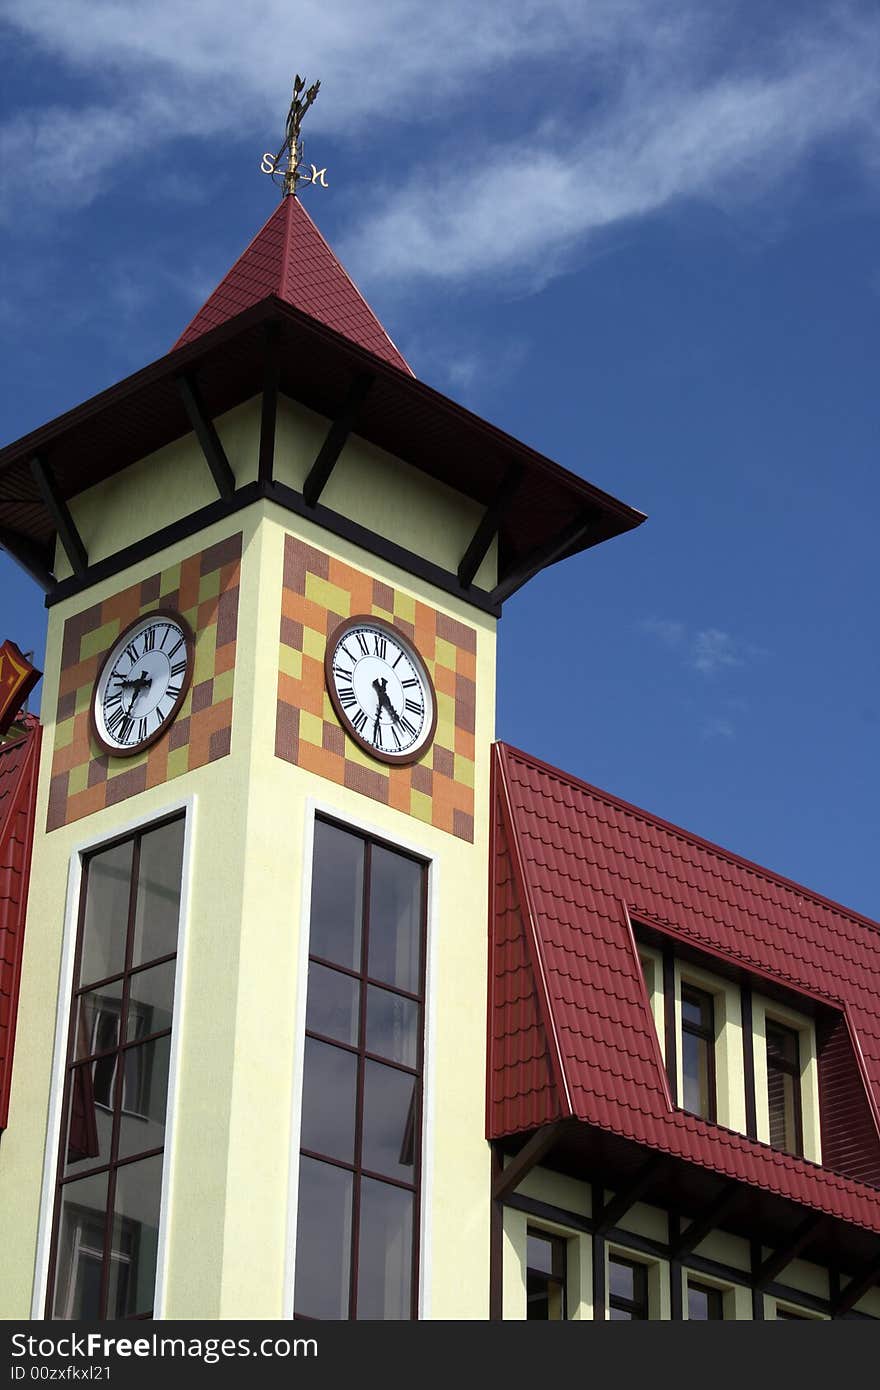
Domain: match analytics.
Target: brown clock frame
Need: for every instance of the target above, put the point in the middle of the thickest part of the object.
(190, 641)
(390, 759)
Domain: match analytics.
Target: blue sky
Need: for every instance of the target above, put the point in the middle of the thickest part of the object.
(639, 234)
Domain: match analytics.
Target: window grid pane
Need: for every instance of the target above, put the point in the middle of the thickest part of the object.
(116, 1080)
(384, 1103)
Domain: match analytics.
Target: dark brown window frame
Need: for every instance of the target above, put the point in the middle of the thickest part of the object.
(559, 1246)
(639, 1306)
(356, 1168)
(706, 1034)
(73, 1063)
(716, 1299)
(782, 1066)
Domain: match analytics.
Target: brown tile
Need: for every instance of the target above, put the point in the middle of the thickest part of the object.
(444, 762)
(406, 628)
(333, 739)
(463, 826)
(150, 589)
(220, 554)
(220, 744)
(383, 596)
(179, 735)
(172, 600)
(332, 621)
(126, 784)
(66, 707)
(202, 695)
(287, 732)
(299, 560)
(98, 769)
(75, 629)
(57, 810)
(361, 779)
(227, 617)
(465, 704)
(292, 633)
(422, 779)
(454, 631)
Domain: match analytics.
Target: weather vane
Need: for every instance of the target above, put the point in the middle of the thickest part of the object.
(297, 170)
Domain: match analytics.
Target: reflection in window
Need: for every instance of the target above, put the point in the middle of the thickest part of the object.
(106, 1225)
(698, 1051)
(361, 1116)
(627, 1290)
(545, 1277)
(784, 1088)
(705, 1302)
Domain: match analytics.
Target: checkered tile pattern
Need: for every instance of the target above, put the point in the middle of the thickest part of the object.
(319, 592)
(204, 588)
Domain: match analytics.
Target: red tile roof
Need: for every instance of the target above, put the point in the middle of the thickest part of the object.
(570, 1029)
(290, 259)
(19, 764)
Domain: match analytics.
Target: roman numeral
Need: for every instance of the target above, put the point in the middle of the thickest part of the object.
(377, 735)
(115, 720)
(142, 730)
(359, 721)
(414, 708)
(125, 729)
(110, 701)
(149, 639)
(172, 690)
(406, 725)
(362, 643)
(347, 697)
(176, 648)
(351, 658)
(165, 637)
(396, 739)
(396, 659)
(408, 685)
(178, 668)
(346, 675)
(380, 646)
(131, 652)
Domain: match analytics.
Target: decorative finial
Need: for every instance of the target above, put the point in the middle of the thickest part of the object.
(293, 146)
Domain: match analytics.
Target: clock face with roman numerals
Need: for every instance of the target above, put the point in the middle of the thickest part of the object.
(380, 689)
(143, 683)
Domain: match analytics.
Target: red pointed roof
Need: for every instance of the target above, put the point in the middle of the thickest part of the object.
(289, 258)
(571, 1035)
(19, 763)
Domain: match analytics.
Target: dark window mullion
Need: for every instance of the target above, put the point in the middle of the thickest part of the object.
(359, 1101)
(344, 1047)
(120, 1077)
(135, 970)
(357, 975)
(127, 1046)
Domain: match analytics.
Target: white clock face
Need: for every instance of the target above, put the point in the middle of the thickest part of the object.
(142, 683)
(380, 689)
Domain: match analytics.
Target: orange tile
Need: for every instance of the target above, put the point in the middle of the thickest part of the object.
(303, 610)
(400, 789)
(86, 802)
(319, 760)
(465, 744)
(224, 658)
(466, 663)
(230, 575)
(83, 673)
(207, 614)
(124, 608)
(190, 573)
(157, 763)
(444, 680)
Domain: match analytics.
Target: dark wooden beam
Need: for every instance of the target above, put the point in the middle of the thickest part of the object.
(489, 525)
(496, 1242)
(61, 518)
(748, 1041)
(545, 1211)
(28, 555)
(669, 1022)
(206, 433)
(857, 1288)
(676, 1280)
(337, 435)
(269, 412)
(755, 1260)
(621, 1202)
(528, 1157)
(544, 555)
(707, 1221)
(773, 1266)
(598, 1242)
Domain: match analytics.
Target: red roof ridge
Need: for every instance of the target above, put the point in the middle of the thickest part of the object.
(290, 259)
(687, 836)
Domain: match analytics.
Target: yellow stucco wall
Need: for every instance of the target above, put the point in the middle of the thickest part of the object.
(226, 1221)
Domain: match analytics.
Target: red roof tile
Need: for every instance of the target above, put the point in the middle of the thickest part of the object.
(19, 763)
(572, 866)
(290, 259)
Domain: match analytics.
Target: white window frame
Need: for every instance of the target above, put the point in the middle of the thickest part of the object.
(762, 1010)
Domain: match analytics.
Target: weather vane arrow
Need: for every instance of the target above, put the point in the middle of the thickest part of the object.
(297, 171)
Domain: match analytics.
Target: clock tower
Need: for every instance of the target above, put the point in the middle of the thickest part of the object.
(250, 1055)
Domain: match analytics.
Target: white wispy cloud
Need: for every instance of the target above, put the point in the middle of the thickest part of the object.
(611, 110)
(709, 650)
